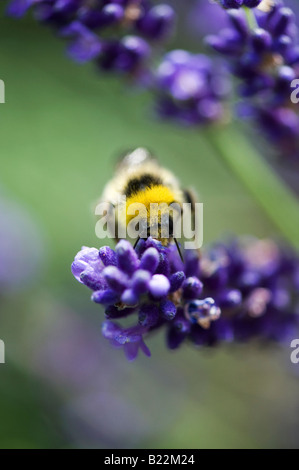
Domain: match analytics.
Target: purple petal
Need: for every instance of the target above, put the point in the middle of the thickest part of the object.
(87, 268)
(167, 309)
(127, 259)
(129, 297)
(176, 280)
(18, 8)
(115, 278)
(107, 256)
(105, 297)
(159, 286)
(192, 288)
(148, 315)
(140, 282)
(150, 260)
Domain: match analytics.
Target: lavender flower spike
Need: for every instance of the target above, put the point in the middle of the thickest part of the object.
(234, 292)
(127, 282)
(115, 34)
(265, 59)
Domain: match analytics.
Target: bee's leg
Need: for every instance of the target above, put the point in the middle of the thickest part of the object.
(179, 249)
(136, 242)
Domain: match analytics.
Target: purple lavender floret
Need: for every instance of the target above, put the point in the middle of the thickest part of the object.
(18, 8)
(265, 58)
(233, 292)
(191, 88)
(156, 22)
(130, 339)
(230, 4)
(85, 45)
(114, 33)
(125, 55)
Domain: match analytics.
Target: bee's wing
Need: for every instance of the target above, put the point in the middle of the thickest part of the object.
(134, 158)
(129, 164)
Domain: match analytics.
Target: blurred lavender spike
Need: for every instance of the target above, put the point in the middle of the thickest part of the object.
(265, 59)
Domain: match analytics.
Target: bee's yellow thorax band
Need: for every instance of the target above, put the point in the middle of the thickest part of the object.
(158, 194)
(155, 194)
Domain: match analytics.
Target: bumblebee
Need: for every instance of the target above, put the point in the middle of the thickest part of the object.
(139, 179)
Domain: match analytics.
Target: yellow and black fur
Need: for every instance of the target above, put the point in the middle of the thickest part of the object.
(140, 179)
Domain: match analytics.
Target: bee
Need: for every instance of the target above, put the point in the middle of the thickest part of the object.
(139, 179)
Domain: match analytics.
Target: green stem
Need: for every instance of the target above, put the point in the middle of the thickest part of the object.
(250, 18)
(279, 203)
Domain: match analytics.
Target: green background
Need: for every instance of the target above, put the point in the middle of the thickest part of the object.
(61, 129)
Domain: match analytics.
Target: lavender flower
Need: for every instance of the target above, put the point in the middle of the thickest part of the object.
(114, 33)
(191, 88)
(235, 291)
(85, 46)
(150, 282)
(228, 4)
(266, 60)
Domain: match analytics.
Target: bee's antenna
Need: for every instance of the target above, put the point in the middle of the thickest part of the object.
(135, 244)
(179, 250)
